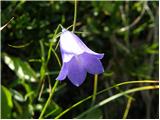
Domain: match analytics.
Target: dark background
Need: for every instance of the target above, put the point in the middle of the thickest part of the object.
(129, 55)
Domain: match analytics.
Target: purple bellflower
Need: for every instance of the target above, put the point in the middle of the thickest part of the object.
(77, 58)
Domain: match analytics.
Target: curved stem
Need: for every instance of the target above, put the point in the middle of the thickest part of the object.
(102, 91)
(56, 83)
(49, 99)
(51, 44)
(50, 49)
(75, 15)
(113, 97)
(58, 60)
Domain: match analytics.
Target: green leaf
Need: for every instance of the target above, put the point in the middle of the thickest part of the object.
(22, 69)
(153, 49)
(6, 103)
(139, 29)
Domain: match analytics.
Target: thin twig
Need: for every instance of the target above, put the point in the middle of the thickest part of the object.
(1, 28)
(134, 22)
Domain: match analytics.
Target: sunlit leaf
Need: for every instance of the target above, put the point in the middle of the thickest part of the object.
(22, 69)
(6, 102)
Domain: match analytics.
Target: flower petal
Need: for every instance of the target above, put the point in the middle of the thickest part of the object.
(63, 73)
(91, 63)
(76, 72)
(69, 44)
(84, 47)
(97, 55)
(66, 57)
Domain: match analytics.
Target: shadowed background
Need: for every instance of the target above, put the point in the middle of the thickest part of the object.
(126, 32)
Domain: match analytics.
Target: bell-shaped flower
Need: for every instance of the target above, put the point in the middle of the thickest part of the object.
(77, 58)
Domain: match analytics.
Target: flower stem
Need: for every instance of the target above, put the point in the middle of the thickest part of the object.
(49, 99)
(94, 89)
(56, 83)
(75, 15)
(51, 44)
(58, 60)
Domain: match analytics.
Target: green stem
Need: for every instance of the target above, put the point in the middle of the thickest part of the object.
(51, 44)
(127, 108)
(49, 52)
(56, 83)
(94, 89)
(49, 99)
(58, 60)
(75, 15)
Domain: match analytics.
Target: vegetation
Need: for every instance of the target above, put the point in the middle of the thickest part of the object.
(125, 31)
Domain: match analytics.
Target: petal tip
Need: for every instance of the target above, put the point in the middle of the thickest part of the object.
(77, 85)
(102, 55)
(59, 78)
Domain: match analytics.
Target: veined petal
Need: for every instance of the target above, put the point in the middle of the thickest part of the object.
(76, 72)
(91, 63)
(63, 73)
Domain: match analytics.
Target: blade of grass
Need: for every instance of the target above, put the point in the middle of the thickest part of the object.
(51, 112)
(103, 102)
(128, 96)
(20, 46)
(43, 69)
(1, 28)
(100, 92)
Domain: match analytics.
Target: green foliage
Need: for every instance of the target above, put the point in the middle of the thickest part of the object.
(6, 103)
(125, 31)
(21, 68)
